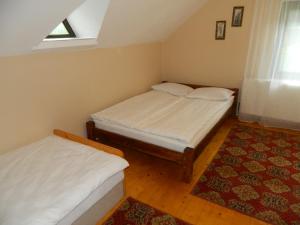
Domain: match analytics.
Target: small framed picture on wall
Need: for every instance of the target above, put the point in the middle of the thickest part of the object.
(220, 30)
(237, 16)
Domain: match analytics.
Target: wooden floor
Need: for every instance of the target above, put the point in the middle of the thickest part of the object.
(157, 183)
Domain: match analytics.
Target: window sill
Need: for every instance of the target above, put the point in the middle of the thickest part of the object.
(47, 44)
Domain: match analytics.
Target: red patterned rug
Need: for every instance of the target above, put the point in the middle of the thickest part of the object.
(133, 212)
(256, 172)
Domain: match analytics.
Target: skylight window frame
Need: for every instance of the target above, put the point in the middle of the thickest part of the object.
(68, 28)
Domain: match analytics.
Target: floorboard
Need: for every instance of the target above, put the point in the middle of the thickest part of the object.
(157, 183)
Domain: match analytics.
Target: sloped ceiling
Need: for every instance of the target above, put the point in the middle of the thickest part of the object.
(139, 21)
(24, 24)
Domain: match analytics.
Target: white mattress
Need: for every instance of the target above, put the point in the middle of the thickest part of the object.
(44, 182)
(195, 117)
(95, 196)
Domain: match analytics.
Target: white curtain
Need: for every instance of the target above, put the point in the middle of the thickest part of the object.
(271, 86)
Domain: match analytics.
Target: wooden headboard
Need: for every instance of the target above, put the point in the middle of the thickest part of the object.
(93, 144)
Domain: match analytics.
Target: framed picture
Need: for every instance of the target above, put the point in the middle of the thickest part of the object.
(220, 30)
(237, 16)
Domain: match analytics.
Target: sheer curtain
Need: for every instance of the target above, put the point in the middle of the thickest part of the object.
(271, 86)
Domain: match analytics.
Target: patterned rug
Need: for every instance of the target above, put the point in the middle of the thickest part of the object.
(256, 172)
(133, 212)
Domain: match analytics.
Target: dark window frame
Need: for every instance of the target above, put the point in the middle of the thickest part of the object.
(68, 28)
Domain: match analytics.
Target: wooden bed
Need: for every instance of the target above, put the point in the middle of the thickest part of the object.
(112, 198)
(186, 159)
(91, 208)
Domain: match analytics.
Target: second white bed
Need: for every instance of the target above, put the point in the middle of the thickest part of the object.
(177, 124)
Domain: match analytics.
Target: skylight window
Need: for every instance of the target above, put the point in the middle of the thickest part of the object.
(63, 30)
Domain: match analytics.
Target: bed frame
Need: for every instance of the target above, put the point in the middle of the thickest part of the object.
(186, 159)
(91, 143)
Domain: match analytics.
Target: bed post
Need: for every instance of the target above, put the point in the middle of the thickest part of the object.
(188, 164)
(90, 127)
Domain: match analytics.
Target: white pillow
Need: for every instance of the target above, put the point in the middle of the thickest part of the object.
(173, 88)
(211, 93)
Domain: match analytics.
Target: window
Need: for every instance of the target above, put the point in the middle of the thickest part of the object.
(63, 30)
(289, 54)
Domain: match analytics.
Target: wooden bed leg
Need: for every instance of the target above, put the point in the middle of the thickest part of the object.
(188, 164)
(90, 127)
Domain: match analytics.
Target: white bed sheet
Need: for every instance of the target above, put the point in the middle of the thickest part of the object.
(184, 120)
(133, 111)
(43, 182)
(163, 141)
(95, 196)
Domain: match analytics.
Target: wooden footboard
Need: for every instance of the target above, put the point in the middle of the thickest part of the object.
(120, 141)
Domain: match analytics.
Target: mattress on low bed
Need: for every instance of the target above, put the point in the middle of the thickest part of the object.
(92, 199)
(53, 181)
(179, 123)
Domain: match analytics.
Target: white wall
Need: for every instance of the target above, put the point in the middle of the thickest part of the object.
(191, 54)
(60, 90)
